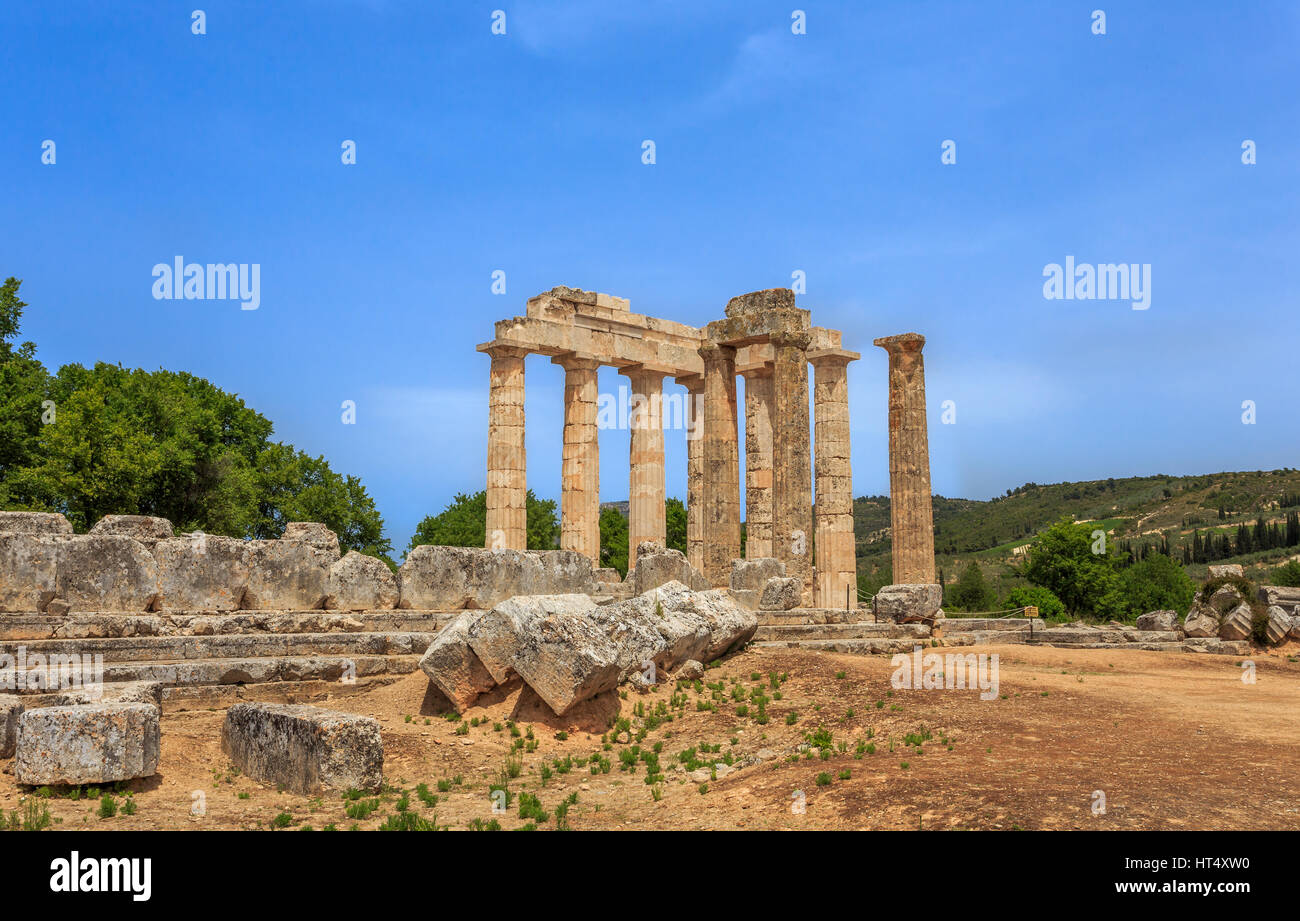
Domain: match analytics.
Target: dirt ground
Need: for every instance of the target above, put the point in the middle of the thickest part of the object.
(1173, 741)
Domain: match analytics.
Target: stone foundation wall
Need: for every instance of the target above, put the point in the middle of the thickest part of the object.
(135, 564)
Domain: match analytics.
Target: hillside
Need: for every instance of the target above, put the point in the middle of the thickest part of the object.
(1134, 511)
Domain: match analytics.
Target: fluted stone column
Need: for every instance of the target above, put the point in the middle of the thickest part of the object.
(911, 516)
(694, 385)
(646, 459)
(837, 570)
(758, 463)
(580, 471)
(792, 458)
(506, 463)
(721, 463)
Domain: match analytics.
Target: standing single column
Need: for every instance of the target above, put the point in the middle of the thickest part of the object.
(837, 570)
(694, 385)
(580, 472)
(645, 518)
(792, 458)
(721, 463)
(507, 484)
(758, 462)
(911, 516)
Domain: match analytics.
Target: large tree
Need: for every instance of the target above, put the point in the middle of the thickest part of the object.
(1079, 568)
(463, 523)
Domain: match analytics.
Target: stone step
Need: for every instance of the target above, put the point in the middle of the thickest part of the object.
(812, 616)
(256, 670)
(834, 631)
(850, 646)
(235, 645)
(996, 624)
(33, 626)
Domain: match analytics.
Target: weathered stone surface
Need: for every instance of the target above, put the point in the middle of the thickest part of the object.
(754, 574)
(606, 576)
(496, 635)
(1202, 621)
(144, 528)
(361, 583)
(453, 667)
(1280, 623)
(687, 633)
(198, 572)
(911, 514)
(566, 659)
(1218, 571)
(656, 566)
(455, 578)
(304, 749)
(11, 708)
(908, 602)
(286, 575)
(730, 625)
(110, 692)
(782, 594)
(105, 573)
(314, 533)
(1160, 620)
(1225, 599)
(1236, 624)
(28, 569)
(100, 743)
(44, 524)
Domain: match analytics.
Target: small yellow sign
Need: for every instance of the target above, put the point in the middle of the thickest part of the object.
(1031, 611)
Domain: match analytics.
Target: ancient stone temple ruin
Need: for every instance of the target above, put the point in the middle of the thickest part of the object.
(763, 338)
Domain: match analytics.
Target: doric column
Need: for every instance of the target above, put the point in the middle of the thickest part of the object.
(837, 570)
(694, 385)
(645, 519)
(721, 463)
(580, 471)
(758, 462)
(506, 464)
(792, 458)
(911, 517)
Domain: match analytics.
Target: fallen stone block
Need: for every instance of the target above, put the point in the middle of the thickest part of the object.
(495, 636)
(1166, 621)
(905, 603)
(105, 573)
(453, 667)
(1236, 624)
(199, 572)
(286, 575)
(28, 570)
(11, 708)
(781, 594)
(315, 534)
(100, 743)
(1225, 599)
(144, 528)
(42, 524)
(656, 566)
(567, 659)
(1280, 623)
(434, 578)
(304, 749)
(1202, 621)
(110, 692)
(361, 583)
(753, 575)
(1220, 570)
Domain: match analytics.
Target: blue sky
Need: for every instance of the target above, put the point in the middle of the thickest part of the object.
(775, 152)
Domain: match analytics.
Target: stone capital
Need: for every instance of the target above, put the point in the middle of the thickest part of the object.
(502, 350)
(576, 361)
(905, 342)
(831, 358)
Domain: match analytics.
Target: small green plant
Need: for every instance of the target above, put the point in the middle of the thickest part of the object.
(107, 806)
(284, 820)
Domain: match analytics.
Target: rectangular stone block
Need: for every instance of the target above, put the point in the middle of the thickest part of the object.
(304, 749)
(453, 667)
(101, 743)
(198, 572)
(904, 603)
(286, 575)
(105, 572)
(455, 578)
(11, 708)
(28, 567)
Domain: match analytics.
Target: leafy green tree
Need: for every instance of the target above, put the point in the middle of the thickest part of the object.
(1158, 583)
(1049, 606)
(613, 540)
(463, 523)
(1287, 574)
(675, 520)
(1061, 558)
(90, 442)
(971, 592)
